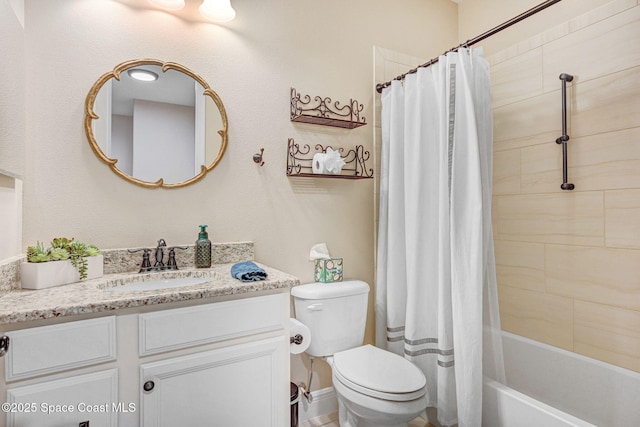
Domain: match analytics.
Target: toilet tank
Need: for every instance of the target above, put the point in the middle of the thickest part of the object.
(336, 314)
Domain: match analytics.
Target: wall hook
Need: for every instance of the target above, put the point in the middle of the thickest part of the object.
(257, 158)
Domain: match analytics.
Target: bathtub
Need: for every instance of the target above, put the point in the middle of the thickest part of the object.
(551, 387)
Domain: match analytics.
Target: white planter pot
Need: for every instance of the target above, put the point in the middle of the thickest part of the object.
(41, 275)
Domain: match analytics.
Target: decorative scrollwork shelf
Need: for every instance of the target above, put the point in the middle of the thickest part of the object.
(300, 159)
(323, 112)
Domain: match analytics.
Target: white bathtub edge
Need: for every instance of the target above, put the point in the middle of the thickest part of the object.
(506, 407)
(569, 354)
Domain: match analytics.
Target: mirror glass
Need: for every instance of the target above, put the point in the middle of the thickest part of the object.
(167, 128)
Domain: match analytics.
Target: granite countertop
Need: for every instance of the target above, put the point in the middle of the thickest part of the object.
(97, 295)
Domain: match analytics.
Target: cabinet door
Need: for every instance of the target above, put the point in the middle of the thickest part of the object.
(241, 385)
(56, 348)
(66, 402)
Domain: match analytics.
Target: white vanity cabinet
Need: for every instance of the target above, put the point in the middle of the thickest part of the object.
(215, 364)
(239, 385)
(241, 379)
(48, 382)
(79, 400)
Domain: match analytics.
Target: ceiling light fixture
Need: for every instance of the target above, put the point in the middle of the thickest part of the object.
(168, 4)
(217, 10)
(144, 75)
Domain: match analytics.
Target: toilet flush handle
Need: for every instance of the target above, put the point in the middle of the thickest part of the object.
(315, 307)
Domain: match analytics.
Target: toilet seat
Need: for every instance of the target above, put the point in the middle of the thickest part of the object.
(379, 373)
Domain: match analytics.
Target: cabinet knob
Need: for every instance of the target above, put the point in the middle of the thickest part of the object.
(148, 386)
(4, 345)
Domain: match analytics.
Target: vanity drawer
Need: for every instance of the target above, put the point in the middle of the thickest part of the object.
(55, 348)
(66, 401)
(190, 326)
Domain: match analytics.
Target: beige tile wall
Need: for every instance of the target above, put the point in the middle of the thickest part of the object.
(568, 263)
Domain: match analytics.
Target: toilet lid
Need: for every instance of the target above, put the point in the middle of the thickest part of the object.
(379, 373)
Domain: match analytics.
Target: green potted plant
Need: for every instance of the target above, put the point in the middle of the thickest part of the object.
(65, 261)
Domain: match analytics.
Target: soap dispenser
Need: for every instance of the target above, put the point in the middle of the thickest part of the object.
(203, 249)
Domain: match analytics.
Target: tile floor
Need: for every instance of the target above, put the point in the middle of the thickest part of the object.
(331, 420)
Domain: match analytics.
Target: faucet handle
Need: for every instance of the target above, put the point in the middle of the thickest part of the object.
(146, 262)
(132, 251)
(172, 264)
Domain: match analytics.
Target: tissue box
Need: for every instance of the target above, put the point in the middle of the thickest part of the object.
(328, 270)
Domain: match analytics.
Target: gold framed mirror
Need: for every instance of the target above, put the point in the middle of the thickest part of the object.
(165, 131)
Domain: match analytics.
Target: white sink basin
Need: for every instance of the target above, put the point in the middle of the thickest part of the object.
(160, 283)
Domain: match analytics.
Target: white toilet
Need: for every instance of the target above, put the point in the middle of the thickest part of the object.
(374, 387)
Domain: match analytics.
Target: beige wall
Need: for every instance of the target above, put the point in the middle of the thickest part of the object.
(568, 262)
(12, 129)
(478, 16)
(320, 48)
(12, 97)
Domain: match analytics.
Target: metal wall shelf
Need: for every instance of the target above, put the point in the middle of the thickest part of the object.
(321, 111)
(300, 159)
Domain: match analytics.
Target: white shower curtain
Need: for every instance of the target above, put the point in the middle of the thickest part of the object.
(435, 281)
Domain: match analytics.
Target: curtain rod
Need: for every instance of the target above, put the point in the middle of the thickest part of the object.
(497, 29)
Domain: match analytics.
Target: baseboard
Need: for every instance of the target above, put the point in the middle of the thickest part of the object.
(324, 402)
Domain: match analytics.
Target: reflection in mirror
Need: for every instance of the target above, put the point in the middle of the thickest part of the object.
(167, 131)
